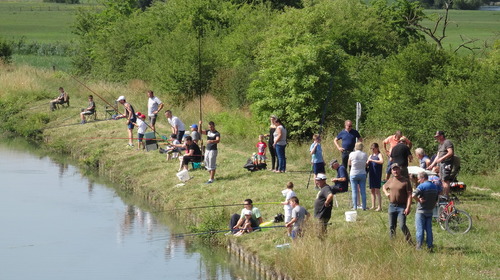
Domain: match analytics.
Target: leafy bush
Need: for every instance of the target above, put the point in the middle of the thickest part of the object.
(5, 51)
(467, 4)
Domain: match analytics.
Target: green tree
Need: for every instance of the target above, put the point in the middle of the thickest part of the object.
(5, 51)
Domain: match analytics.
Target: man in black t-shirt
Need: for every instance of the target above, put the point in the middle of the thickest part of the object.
(193, 152)
(323, 202)
(401, 155)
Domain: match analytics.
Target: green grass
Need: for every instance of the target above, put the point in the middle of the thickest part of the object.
(61, 63)
(360, 250)
(481, 25)
(38, 21)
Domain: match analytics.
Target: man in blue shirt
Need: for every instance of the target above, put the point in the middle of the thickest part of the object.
(348, 137)
(341, 179)
(426, 195)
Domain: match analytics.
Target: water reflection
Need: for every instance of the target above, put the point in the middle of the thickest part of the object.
(62, 225)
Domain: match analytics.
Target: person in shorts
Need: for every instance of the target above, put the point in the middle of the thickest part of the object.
(318, 164)
(154, 107)
(213, 138)
(89, 110)
(444, 159)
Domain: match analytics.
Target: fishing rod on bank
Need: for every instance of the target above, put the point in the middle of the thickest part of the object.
(330, 91)
(182, 235)
(81, 83)
(213, 206)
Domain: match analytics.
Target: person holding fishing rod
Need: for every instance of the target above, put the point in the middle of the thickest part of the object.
(237, 221)
(129, 114)
(154, 107)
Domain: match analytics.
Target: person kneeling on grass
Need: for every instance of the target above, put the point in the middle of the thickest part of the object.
(299, 216)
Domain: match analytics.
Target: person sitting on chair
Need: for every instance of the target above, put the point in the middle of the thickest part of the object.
(193, 153)
(61, 99)
(89, 110)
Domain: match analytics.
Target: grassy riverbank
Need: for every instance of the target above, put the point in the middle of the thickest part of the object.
(360, 250)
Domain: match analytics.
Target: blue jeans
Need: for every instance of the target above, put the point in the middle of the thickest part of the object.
(423, 222)
(280, 152)
(361, 180)
(396, 215)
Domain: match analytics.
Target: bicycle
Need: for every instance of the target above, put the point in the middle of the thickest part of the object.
(450, 218)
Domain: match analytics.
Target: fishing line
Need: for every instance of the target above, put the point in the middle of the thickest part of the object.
(212, 206)
(182, 235)
(114, 108)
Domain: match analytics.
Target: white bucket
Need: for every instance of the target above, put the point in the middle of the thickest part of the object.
(350, 216)
(183, 175)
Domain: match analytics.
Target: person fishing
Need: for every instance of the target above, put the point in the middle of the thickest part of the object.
(129, 114)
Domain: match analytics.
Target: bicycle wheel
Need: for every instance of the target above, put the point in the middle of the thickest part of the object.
(458, 222)
(441, 218)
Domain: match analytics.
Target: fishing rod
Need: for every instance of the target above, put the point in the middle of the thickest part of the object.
(330, 91)
(114, 108)
(212, 206)
(181, 235)
(144, 138)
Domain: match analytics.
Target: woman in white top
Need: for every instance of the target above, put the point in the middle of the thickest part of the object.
(357, 161)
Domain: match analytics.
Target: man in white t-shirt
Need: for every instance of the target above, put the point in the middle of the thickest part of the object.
(154, 107)
(176, 124)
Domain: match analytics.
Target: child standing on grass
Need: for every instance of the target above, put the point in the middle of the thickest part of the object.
(261, 150)
(287, 208)
(318, 164)
(299, 216)
(142, 126)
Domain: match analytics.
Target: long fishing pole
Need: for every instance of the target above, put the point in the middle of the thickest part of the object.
(212, 206)
(114, 108)
(181, 235)
(144, 138)
(330, 91)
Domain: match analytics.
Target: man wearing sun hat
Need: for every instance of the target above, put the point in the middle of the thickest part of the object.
(444, 158)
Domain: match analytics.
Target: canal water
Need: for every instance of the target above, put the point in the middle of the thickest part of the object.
(57, 224)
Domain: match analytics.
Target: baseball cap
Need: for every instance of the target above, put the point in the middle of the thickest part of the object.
(194, 126)
(142, 116)
(439, 133)
(120, 98)
(247, 212)
(333, 161)
(394, 165)
(321, 176)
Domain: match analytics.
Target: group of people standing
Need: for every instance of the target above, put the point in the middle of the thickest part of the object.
(193, 152)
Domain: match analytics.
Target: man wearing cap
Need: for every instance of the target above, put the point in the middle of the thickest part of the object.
(154, 107)
(401, 155)
(389, 143)
(426, 196)
(341, 179)
(129, 114)
(176, 124)
(445, 160)
(398, 190)
(348, 137)
(323, 203)
(195, 134)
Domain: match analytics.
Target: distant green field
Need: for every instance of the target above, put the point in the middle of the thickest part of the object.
(38, 21)
(35, 20)
(481, 25)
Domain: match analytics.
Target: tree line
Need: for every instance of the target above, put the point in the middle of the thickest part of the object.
(289, 60)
